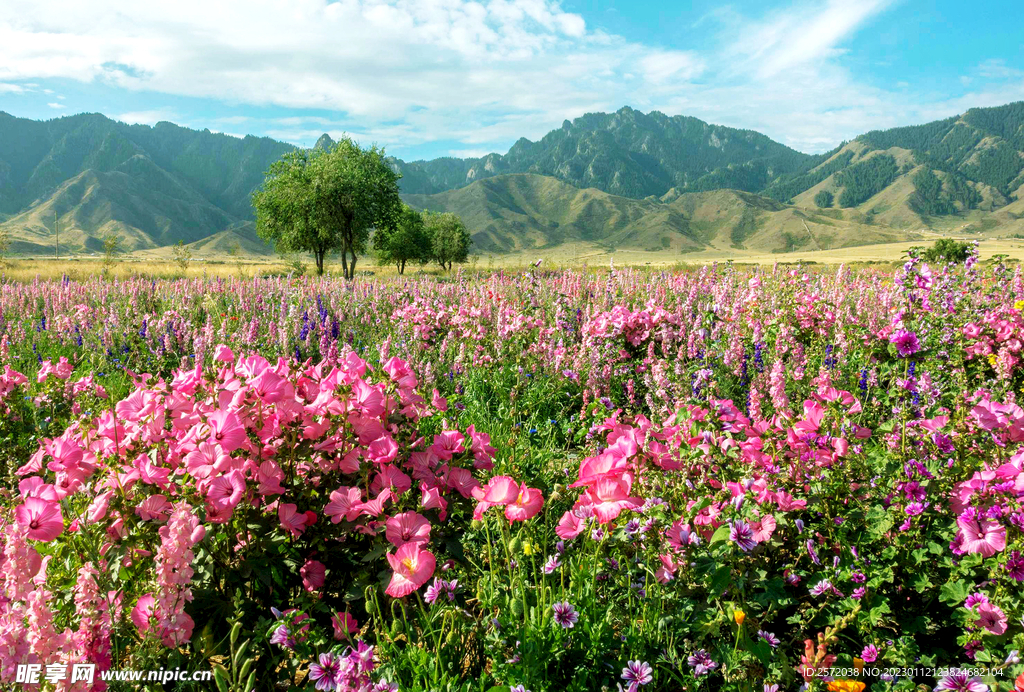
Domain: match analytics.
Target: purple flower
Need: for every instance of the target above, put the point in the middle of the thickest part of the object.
(566, 615)
(975, 599)
(742, 535)
(701, 662)
(440, 588)
(869, 653)
(961, 682)
(770, 638)
(821, 588)
(1015, 565)
(637, 673)
(858, 593)
(518, 688)
(906, 342)
(326, 673)
(552, 564)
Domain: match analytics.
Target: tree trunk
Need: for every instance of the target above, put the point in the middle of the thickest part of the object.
(344, 263)
(401, 267)
(352, 267)
(319, 256)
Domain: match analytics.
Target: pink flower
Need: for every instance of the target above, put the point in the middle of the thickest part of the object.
(527, 503)
(569, 526)
(992, 618)
(226, 491)
(382, 450)
(407, 527)
(412, 568)
(313, 574)
(448, 444)
(985, 536)
(223, 354)
(500, 490)
(343, 503)
(142, 612)
(438, 401)
(764, 528)
(41, 517)
(226, 430)
(667, 571)
(610, 495)
(344, 625)
(292, 521)
(154, 507)
(368, 399)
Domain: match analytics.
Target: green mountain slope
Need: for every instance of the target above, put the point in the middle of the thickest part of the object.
(645, 181)
(626, 153)
(518, 212)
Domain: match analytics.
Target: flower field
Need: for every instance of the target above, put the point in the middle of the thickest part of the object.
(781, 479)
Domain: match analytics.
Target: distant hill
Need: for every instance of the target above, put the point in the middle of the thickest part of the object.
(516, 212)
(624, 179)
(152, 186)
(625, 153)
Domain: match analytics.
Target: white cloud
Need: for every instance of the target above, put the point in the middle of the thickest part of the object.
(480, 74)
(57, 106)
(146, 117)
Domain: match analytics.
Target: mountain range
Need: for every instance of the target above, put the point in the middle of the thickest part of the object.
(608, 180)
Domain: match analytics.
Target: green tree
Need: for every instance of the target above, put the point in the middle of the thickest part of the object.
(406, 241)
(327, 201)
(111, 248)
(824, 199)
(449, 239)
(181, 255)
(5, 244)
(947, 249)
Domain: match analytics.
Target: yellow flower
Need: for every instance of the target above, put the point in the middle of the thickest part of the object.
(528, 548)
(739, 616)
(845, 686)
(858, 664)
(1019, 305)
(992, 360)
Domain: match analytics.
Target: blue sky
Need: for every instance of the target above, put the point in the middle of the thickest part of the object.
(429, 78)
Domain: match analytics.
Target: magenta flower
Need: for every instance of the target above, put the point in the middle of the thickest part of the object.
(869, 653)
(982, 536)
(701, 662)
(637, 673)
(906, 342)
(407, 527)
(565, 615)
(742, 535)
(992, 618)
(327, 672)
(412, 568)
(42, 518)
(313, 574)
(961, 682)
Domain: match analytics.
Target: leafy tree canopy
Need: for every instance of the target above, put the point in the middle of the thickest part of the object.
(328, 201)
(449, 238)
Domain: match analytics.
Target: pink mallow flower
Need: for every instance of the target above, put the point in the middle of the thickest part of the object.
(982, 536)
(407, 527)
(313, 574)
(412, 566)
(992, 618)
(42, 518)
(526, 505)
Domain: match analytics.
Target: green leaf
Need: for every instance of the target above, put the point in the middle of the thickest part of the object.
(953, 592)
(720, 581)
(721, 534)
